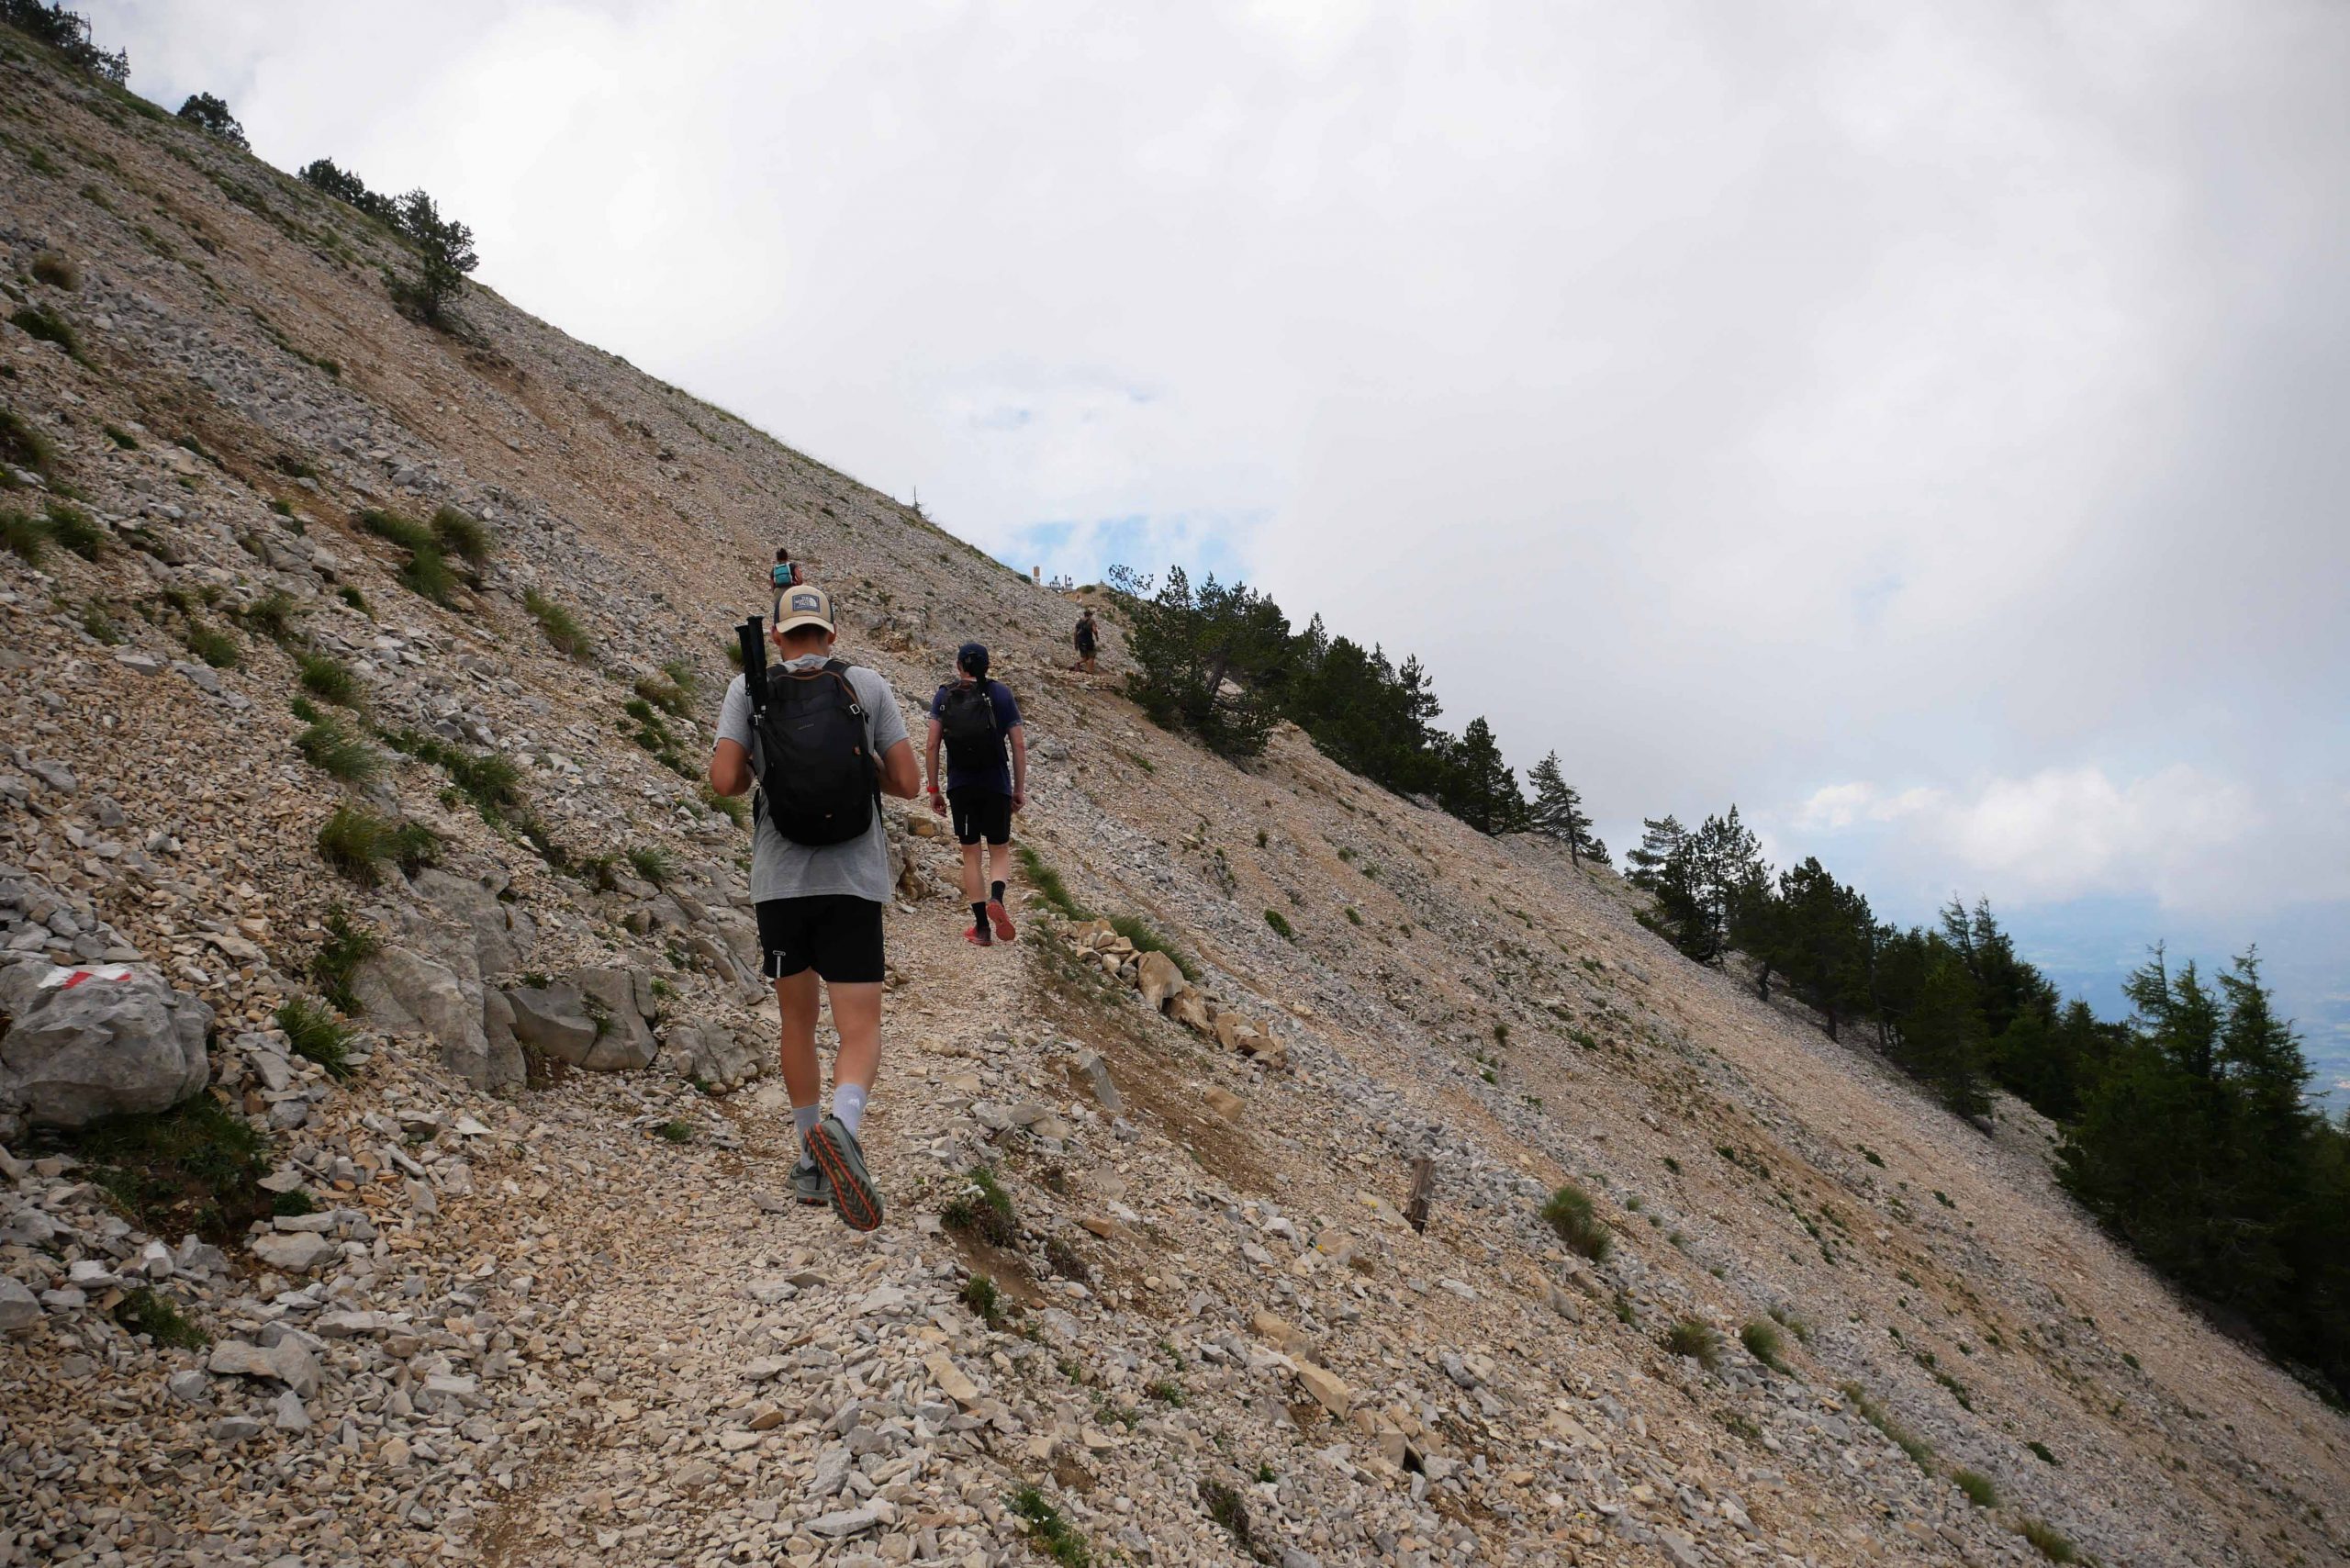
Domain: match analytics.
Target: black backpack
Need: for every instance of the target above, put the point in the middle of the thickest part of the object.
(967, 718)
(817, 777)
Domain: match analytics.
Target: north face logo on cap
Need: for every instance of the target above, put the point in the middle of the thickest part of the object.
(813, 603)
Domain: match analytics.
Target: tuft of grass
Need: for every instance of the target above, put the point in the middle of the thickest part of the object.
(195, 1167)
(316, 1035)
(328, 747)
(1978, 1487)
(667, 696)
(357, 843)
(1761, 1341)
(677, 1132)
(339, 956)
(274, 615)
(984, 1300)
(323, 675)
(653, 863)
(403, 531)
(1054, 1535)
(1230, 1511)
(25, 535)
(40, 321)
(1792, 1323)
(214, 647)
(21, 447)
(984, 1211)
(57, 271)
(122, 439)
(1047, 881)
(1571, 1213)
(99, 624)
(1167, 1391)
(1146, 940)
(2048, 1540)
(458, 534)
(1694, 1338)
(564, 632)
(146, 1311)
(428, 575)
(353, 597)
(73, 527)
(732, 807)
(1280, 922)
(1354, 915)
(293, 1203)
(1908, 1442)
(2040, 1452)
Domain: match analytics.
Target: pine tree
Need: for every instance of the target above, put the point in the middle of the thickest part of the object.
(1481, 790)
(208, 114)
(1662, 837)
(1556, 810)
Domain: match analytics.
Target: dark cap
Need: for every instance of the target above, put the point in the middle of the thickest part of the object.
(972, 659)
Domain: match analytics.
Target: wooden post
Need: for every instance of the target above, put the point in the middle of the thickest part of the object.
(1415, 1208)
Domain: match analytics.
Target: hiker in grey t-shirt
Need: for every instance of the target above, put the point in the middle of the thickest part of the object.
(819, 909)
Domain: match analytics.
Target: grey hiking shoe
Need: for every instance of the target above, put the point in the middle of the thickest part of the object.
(808, 1183)
(853, 1199)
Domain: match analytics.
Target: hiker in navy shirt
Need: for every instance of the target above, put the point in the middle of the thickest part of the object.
(978, 719)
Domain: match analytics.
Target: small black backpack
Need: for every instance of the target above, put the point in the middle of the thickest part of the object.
(967, 720)
(817, 775)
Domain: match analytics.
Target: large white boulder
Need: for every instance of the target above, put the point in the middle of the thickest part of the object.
(102, 1041)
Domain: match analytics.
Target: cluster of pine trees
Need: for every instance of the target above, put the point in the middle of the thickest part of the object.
(1219, 660)
(2187, 1128)
(444, 246)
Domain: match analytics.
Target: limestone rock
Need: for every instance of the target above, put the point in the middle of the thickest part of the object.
(1158, 979)
(118, 1040)
(19, 1309)
(297, 1254)
(401, 988)
(1329, 1389)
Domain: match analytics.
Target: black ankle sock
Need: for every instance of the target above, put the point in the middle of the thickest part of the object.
(995, 891)
(979, 916)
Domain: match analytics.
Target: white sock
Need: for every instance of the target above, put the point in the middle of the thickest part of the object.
(849, 1105)
(804, 1117)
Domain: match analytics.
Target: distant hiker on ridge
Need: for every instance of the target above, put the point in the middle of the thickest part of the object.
(810, 732)
(784, 574)
(976, 716)
(1088, 639)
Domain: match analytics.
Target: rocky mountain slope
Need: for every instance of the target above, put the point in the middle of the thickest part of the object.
(515, 1284)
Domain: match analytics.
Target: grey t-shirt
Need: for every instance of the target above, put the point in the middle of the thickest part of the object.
(782, 869)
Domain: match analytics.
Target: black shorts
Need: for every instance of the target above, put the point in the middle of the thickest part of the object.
(981, 813)
(837, 935)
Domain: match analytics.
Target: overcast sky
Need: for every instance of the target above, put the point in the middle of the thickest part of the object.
(1928, 426)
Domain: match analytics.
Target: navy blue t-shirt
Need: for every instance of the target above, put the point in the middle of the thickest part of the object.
(985, 774)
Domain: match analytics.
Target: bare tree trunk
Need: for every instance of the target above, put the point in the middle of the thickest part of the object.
(1415, 1208)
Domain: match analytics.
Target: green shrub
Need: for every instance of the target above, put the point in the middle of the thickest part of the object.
(195, 1167)
(326, 746)
(564, 632)
(2049, 1541)
(1908, 1442)
(1167, 1391)
(1047, 881)
(1792, 1323)
(339, 956)
(667, 696)
(1978, 1486)
(427, 576)
(985, 1211)
(1571, 1213)
(677, 1132)
(460, 534)
(25, 534)
(293, 1203)
(1354, 915)
(323, 675)
(40, 321)
(316, 1034)
(652, 864)
(353, 597)
(2040, 1452)
(73, 527)
(1280, 922)
(1694, 1338)
(304, 710)
(984, 1300)
(1054, 1535)
(214, 647)
(1230, 1511)
(122, 439)
(1761, 1341)
(400, 531)
(1146, 940)
(143, 1310)
(21, 447)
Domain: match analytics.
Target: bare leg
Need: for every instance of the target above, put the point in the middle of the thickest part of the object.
(974, 890)
(796, 1000)
(999, 864)
(857, 1013)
